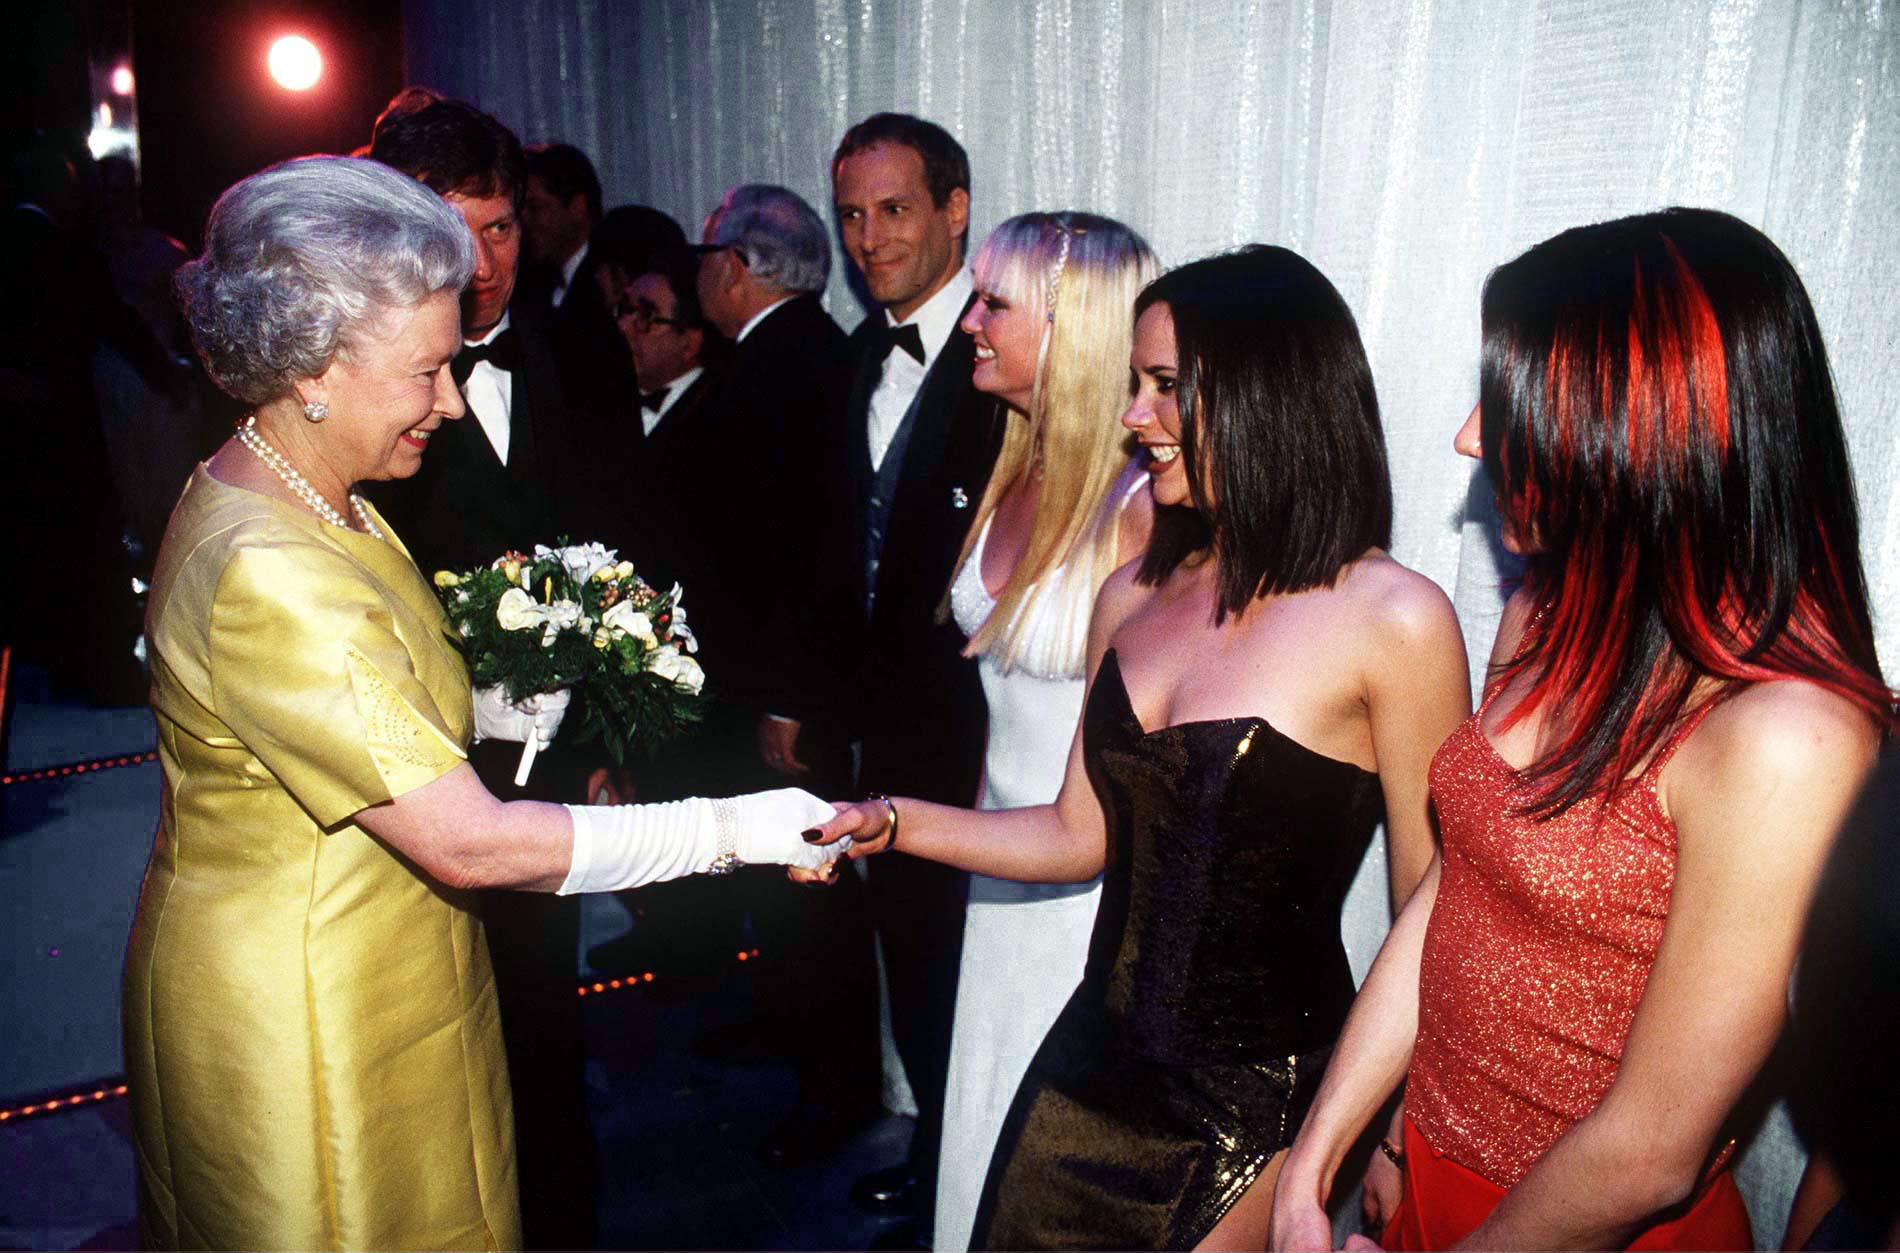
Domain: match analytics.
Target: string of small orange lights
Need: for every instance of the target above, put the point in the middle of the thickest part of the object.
(111, 1089)
(641, 980)
(79, 767)
(108, 1090)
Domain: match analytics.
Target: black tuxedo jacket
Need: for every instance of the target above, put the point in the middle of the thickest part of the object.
(596, 368)
(464, 507)
(903, 686)
(648, 528)
(737, 497)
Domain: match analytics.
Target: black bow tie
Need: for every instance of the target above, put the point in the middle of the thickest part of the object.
(907, 337)
(654, 399)
(503, 352)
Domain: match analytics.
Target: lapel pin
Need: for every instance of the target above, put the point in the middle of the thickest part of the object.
(958, 499)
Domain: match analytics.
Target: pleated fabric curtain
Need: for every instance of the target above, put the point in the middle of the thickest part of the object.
(1404, 146)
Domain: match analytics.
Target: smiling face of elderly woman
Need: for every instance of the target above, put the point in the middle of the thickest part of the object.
(391, 392)
(334, 281)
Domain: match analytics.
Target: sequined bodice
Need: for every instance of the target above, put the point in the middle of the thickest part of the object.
(1538, 950)
(1230, 849)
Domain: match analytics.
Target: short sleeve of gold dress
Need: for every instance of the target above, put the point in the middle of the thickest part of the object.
(312, 1040)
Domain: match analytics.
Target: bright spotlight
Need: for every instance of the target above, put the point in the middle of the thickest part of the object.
(122, 80)
(295, 63)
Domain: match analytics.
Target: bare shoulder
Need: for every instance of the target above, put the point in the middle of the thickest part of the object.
(1401, 607)
(1122, 593)
(1772, 751)
(1791, 727)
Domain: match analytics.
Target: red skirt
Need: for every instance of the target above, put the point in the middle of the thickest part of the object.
(1444, 1202)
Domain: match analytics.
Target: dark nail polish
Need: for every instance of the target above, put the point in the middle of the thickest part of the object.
(812, 835)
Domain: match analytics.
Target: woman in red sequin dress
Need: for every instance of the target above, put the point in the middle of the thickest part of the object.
(1682, 700)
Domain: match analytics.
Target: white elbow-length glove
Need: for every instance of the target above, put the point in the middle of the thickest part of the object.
(624, 846)
(498, 718)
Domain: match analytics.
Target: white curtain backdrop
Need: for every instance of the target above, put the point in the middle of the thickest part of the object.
(1404, 146)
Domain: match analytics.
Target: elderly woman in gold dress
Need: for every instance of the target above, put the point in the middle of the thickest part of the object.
(314, 1053)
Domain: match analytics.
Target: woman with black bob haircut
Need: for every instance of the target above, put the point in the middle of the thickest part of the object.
(1682, 701)
(1263, 685)
(1291, 495)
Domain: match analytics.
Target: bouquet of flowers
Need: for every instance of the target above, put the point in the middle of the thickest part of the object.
(576, 616)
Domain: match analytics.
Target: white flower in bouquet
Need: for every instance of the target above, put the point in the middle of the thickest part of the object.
(562, 615)
(676, 667)
(582, 561)
(627, 620)
(678, 628)
(516, 611)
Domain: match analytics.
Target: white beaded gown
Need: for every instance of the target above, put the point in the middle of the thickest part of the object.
(1024, 944)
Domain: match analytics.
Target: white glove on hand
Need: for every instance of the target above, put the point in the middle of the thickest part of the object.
(498, 718)
(772, 826)
(624, 846)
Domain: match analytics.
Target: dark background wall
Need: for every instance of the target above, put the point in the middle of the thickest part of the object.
(209, 112)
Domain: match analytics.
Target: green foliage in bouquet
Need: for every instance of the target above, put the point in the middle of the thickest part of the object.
(575, 617)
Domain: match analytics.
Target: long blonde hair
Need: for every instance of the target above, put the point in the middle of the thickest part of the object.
(1080, 273)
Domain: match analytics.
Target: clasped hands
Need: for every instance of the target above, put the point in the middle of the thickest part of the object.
(863, 828)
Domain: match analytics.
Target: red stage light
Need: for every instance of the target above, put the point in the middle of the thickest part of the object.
(295, 63)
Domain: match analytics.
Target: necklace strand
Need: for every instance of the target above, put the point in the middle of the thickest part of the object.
(253, 439)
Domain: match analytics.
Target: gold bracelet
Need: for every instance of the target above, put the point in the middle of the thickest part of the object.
(890, 812)
(1393, 1152)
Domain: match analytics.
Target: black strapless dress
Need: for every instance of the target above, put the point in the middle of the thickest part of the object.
(1215, 988)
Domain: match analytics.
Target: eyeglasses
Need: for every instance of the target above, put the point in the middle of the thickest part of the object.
(644, 316)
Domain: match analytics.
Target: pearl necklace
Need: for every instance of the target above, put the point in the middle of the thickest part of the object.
(249, 436)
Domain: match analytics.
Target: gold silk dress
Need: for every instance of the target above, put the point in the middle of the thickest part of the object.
(311, 1034)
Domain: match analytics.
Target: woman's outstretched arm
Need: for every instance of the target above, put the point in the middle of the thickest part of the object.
(1062, 842)
(461, 835)
(458, 833)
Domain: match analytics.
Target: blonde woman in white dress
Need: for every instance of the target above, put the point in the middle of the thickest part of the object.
(1052, 323)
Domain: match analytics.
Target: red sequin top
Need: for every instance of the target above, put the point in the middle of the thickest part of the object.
(1538, 949)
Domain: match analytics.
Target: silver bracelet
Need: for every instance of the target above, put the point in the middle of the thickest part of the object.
(725, 836)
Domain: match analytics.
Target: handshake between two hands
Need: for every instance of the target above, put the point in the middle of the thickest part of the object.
(808, 836)
(788, 826)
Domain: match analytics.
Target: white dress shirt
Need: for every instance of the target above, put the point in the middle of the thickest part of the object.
(650, 418)
(490, 394)
(903, 375)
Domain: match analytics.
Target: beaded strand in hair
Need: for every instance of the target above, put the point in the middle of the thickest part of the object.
(1052, 286)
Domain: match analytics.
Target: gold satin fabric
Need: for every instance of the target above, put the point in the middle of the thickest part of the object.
(312, 1039)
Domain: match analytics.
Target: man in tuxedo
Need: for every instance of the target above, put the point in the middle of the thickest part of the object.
(670, 344)
(743, 488)
(560, 212)
(559, 208)
(917, 446)
(505, 477)
(686, 927)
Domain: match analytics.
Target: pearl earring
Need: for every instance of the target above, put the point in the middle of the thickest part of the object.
(315, 410)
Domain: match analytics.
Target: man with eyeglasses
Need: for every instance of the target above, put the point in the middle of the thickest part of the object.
(666, 333)
(685, 928)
